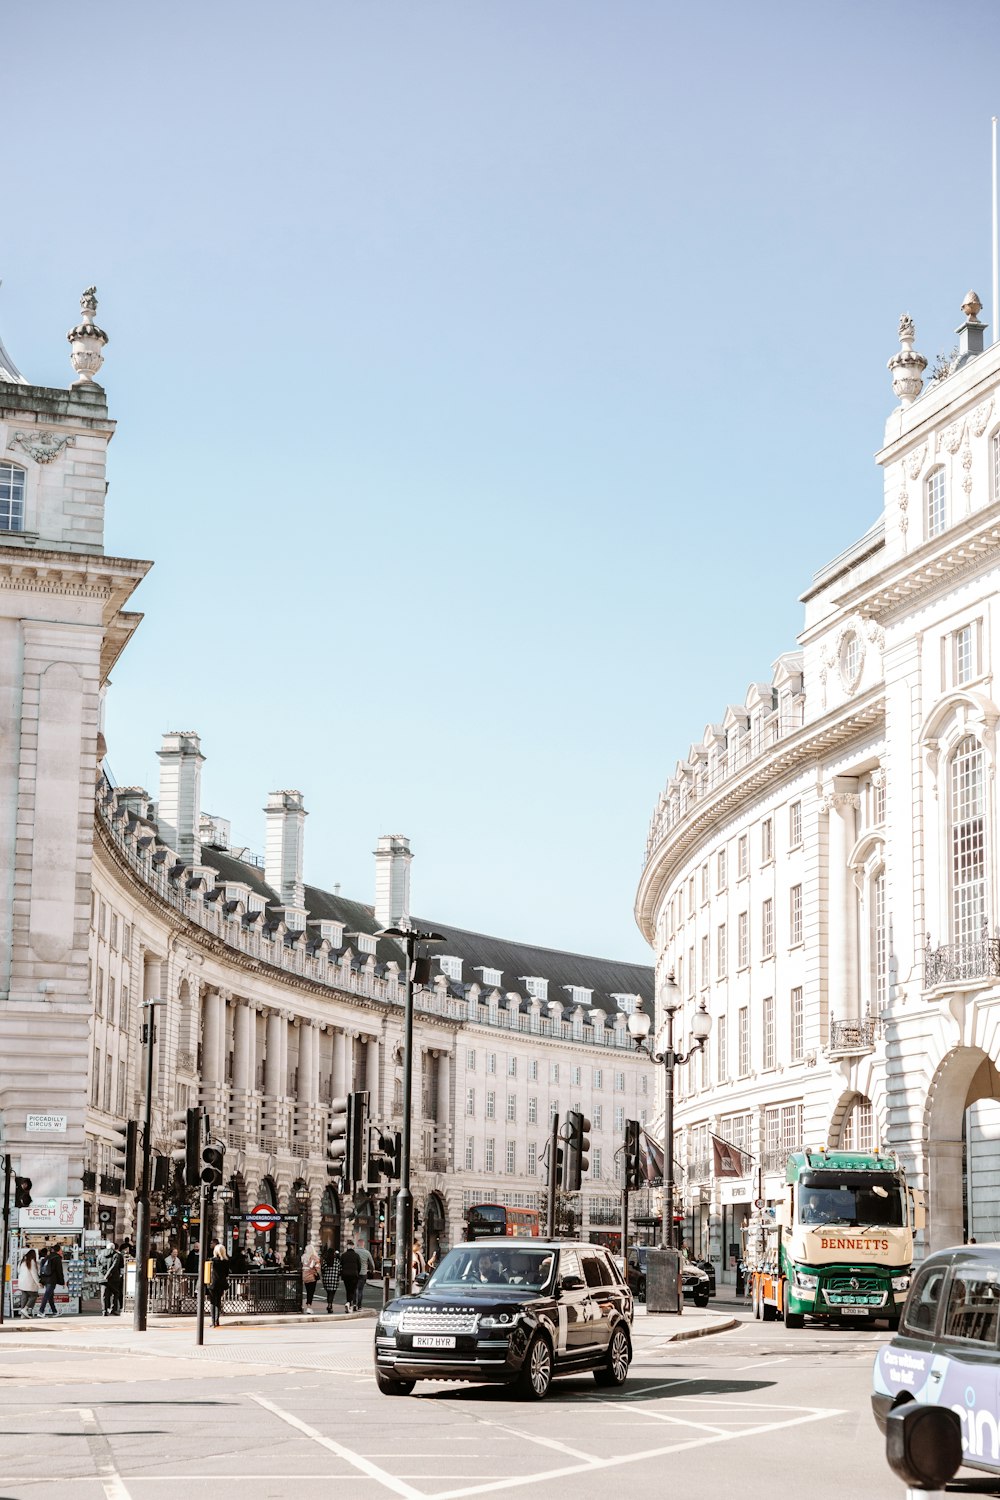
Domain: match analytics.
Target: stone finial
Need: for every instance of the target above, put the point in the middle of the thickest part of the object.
(972, 307)
(907, 366)
(87, 340)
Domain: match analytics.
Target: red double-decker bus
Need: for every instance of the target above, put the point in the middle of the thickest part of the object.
(487, 1219)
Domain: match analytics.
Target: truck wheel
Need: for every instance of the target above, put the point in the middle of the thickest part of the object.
(770, 1312)
(795, 1320)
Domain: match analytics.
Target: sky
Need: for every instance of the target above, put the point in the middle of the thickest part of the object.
(491, 378)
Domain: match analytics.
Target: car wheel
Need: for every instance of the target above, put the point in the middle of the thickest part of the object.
(619, 1356)
(536, 1372)
(390, 1387)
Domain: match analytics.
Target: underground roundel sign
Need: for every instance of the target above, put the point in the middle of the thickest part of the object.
(264, 1217)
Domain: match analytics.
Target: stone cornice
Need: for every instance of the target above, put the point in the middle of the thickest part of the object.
(788, 756)
(81, 575)
(914, 576)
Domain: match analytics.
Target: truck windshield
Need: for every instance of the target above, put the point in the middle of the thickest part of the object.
(877, 1205)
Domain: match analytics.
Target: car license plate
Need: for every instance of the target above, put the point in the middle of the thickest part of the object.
(432, 1341)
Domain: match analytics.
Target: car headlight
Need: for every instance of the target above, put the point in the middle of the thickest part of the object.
(503, 1320)
(803, 1278)
(901, 1283)
(389, 1320)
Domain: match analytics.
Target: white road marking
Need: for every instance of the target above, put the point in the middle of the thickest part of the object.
(364, 1465)
(661, 1416)
(104, 1462)
(780, 1360)
(530, 1437)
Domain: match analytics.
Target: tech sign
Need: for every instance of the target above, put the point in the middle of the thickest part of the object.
(52, 1213)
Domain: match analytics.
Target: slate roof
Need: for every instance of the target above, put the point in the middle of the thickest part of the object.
(605, 977)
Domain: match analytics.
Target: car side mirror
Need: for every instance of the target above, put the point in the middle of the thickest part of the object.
(572, 1284)
(420, 1279)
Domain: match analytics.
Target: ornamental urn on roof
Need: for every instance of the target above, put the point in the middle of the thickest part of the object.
(86, 341)
(907, 366)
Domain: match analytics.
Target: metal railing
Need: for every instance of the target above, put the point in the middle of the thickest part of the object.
(852, 1036)
(276, 1291)
(956, 962)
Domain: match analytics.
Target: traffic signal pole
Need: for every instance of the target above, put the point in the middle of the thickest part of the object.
(7, 1173)
(146, 1181)
(550, 1226)
(404, 1198)
(202, 1247)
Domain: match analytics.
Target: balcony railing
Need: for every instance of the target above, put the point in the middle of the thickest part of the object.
(852, 1036)
(960, 962)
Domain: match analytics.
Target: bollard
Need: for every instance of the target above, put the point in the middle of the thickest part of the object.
(923, 1446)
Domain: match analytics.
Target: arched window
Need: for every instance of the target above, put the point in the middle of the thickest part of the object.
(967, 807)
(936, 508)
(11, 497)
(879, 949)
(858, 1132)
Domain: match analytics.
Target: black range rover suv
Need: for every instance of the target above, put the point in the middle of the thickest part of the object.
(509, 1312)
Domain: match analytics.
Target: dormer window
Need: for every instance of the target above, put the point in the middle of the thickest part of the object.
(578, 995)
(451, 967)
(936, 508)
(11, 497)
(492, 978)
(366, 943)
(538, 989)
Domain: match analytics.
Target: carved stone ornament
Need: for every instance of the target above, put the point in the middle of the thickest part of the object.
(875, 634)
(43, 447)
(981, 416)
(839, 801)
(86, 341)
(907, 367)
(951, 437)
(915, 461)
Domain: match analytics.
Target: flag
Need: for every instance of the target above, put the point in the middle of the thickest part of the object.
(652, 1158)
(728, 1160)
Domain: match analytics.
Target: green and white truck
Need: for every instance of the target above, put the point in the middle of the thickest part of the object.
(839, 1242)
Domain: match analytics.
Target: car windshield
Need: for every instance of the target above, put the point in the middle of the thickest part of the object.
(876, 1205)
(490, 1265)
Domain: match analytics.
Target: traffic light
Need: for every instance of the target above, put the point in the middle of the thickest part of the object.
(633, 1155)
(161, 1174)
(336, 1139)
(186, 1149)
(357, 1140)
(576, 1160)
(124, 1153)
(212, 1158)
(383, 1155)
(22, 1192)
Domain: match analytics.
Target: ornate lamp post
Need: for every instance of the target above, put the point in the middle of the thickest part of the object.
(302, 1199)
(662, 1286)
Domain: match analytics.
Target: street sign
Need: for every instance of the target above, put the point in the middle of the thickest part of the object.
(38, 1123)
(758, 1203)
(263, 1217)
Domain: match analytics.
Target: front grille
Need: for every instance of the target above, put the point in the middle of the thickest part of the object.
(856, 1284)
(423, 1320)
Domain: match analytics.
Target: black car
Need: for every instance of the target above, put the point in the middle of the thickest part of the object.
(696, 1283)
(509, 1312)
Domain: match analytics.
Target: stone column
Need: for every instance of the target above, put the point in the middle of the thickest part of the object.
(340, 1074)
(842, 803)
(213, 1046)
(275, 1072)
(371, 1074)
(308, 1081)
(244, 1066)
(443, 1133)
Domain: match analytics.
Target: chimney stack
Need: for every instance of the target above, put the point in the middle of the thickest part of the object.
(392, 879)
(286, 819)
(178, 811)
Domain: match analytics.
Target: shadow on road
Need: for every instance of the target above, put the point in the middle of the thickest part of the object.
(573, 1387)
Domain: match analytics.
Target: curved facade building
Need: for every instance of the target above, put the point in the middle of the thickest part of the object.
(820, 868)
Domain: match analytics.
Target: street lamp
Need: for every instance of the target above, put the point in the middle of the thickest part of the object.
(303, 1200)
(409, 936)
(146, 1181)
(639, 1027)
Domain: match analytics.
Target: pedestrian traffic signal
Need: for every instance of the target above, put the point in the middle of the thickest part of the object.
(212, 1159)
(124, 1153)
(383, 1155)
(633, 1155)
(336, 1139)
(22, 1192)
(186, 1145)
(576, 1159)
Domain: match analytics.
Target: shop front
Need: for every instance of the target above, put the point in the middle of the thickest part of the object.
(736, 1200)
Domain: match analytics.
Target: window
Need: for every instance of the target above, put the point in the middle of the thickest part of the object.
(511, 1156)
(680, 974)
(619, 1119)
(490, 1155)
(880, 967)
(690, 895)
(995, 453)
(924, 1300)
(123, 1009)
(767, 841)
(743, 940)
(598, 1163)
(577, 1077)
(619, 1083)
(99, 998)
(795, 915)
(720, 861)
(968, 843)
(512, 1067)
(795, 825)
(533, 1111)
(963, 656)
(704, 881)
(767, 928)
(721, 952)
(121, 1091)
(533, 1070)
(644, 1089)
(491, 1105)
(470, 1059)
(598, 1117)
(768, 1038)
(721, 1062)
(691, 973)
(11, 497)
(935, 498)
(858, 1133)
(95, 1079)
(553, 1072)
(538, 989)
(470, 1102)
(512, 1106)
(127, 940)
(878, 809)
(108, 1065)
(491, 1062)
(470, 1156)
(744, 1040)
(797, 1024)
(850, 660)
(598, 1078)
(742, 856)
(553, 1109)
(111, 1000)
(114, 930)
(706, 977)
(973, 1304)
(492, 978)
(532, 1158)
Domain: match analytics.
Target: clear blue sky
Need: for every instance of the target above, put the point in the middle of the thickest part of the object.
(491, 377)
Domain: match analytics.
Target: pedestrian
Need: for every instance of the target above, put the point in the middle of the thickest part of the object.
(330, 1274)
(367, 1269)
(218, 1282)
(191, 1260)
(311, 1266)
(50, 1274)
(113, 1271)
(28, 1284)
(417, 1263)
(350, 1269)
(175, 1286)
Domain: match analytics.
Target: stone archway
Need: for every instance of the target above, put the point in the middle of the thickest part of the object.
(962, 1078)
(329, 1219)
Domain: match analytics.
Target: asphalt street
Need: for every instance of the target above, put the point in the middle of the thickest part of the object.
(292, 1411)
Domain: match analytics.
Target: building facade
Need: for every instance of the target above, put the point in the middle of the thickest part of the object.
(273, 997)
(820, 868)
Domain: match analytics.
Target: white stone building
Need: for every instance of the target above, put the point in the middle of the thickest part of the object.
(276, 996)
(820, 867)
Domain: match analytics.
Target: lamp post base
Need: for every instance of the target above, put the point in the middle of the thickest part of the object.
(663, 1281)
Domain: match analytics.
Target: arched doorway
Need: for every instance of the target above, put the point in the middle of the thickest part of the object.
(329, 1219)
(434, 1227)
(267, 1239)
(965, 1078)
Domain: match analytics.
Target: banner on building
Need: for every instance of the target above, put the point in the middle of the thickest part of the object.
(728, 1160)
